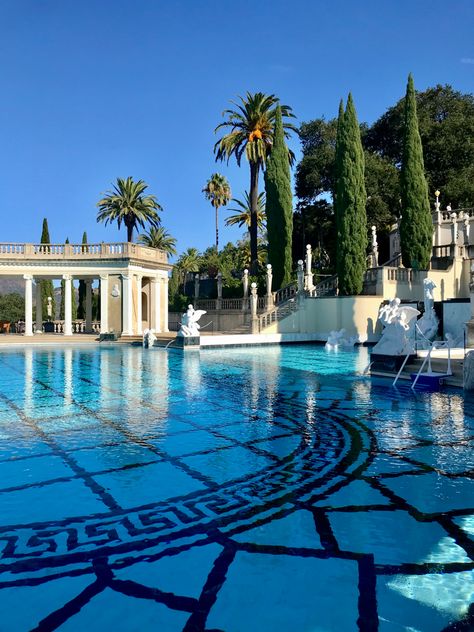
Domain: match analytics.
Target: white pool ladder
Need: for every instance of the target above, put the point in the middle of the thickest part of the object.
(437, 344)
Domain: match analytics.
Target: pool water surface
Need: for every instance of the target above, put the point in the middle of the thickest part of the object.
(267, 489)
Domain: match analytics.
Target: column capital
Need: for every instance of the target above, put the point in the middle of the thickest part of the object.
(67, 277)
(104, 277)
(28, 277)
(125, 276)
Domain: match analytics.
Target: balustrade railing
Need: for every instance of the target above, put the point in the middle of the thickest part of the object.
(81, 251)
(328, 287)
(287, 292)
(276, 314)
(57, 326)
(229, 304)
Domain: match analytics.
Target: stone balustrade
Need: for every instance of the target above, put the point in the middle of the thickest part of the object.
(78, 327)
(45, 252)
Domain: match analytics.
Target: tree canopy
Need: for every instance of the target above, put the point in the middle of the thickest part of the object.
(416, 226)
(446, 126)
(279, 207)
(217, 191)
(250, 132)
(127, 203)
(350, 198)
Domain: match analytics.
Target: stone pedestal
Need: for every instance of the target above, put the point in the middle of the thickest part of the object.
(187, 342)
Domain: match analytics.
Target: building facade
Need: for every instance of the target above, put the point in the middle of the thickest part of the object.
(132, 281)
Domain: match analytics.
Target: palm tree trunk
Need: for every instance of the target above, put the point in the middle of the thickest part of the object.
(254, 169)
(129, 232)
(217, 229)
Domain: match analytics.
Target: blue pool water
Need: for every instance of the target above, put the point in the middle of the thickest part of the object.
(265, 489)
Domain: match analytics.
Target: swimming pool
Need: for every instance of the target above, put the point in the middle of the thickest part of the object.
(260, 489)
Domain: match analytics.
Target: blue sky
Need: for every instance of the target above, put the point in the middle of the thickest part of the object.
(96, 89)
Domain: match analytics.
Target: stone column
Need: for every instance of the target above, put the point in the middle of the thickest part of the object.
(139, 305)
(196, 287)
(269, 297)
(437, 221)
(375, 249)
(127, 325)
(245, 283)
(165, 303)
(454, 229)
(156, 304)
(39, 308)
(67, 305)
(253, 307)
(300, 277)
(88, 306)
(104, 303)
(219, 291)
(309, 285)
(28, 304)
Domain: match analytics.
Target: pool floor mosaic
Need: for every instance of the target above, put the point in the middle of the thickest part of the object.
(230, 490)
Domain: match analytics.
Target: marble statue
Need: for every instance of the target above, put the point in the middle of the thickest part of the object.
(429, 322)
(115, 291)
(189, 322)
(148, 338)
(398, 335)
(338, 340)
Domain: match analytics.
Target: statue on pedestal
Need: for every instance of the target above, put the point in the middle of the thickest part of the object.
(189, 322)
(148, 338)
(428, 323)
(398, 329)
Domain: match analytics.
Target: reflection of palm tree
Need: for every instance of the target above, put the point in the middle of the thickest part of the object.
(217, 190)
(158, 238)
(187, 262)
(242, 215)
(126, 203)
(251, 126)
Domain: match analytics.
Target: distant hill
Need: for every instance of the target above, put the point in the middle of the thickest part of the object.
(8, 286)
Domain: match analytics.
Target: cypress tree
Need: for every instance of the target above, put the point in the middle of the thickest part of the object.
(47, 287)
(73, 298)
(351, 218)
(81, 309)
(279, 207)
(337, 160)
(416, 227)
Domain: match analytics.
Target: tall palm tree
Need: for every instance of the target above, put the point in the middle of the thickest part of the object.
(158, 238)
(127, 203)
(251, 132)
(242, 215)
(187, 262)
(217, 190)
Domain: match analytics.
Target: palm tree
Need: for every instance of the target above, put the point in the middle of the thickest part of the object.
(126, 203)
(187, 262)
(245, 259)
(217, 190)
(158, 238)
(251, 131)
(242, 215)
